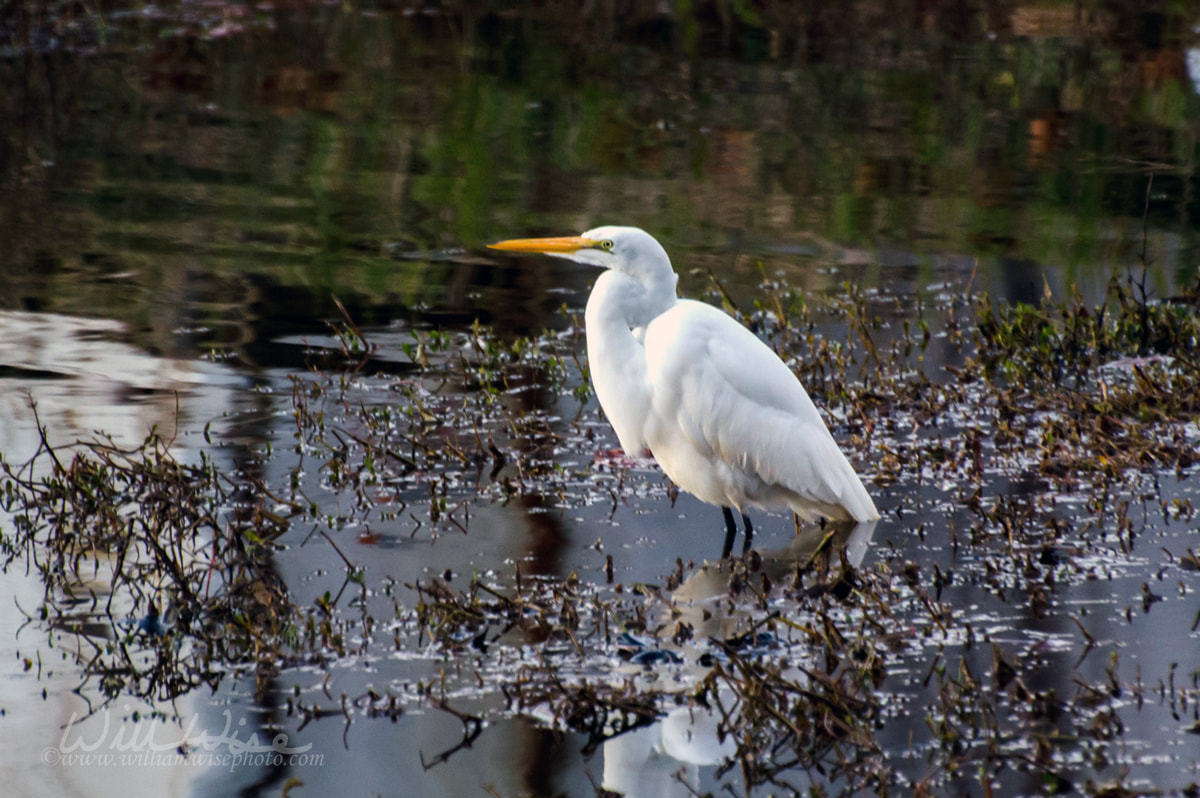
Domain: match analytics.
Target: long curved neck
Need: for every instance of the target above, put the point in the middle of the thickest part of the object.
(617, 360)
(620, 298)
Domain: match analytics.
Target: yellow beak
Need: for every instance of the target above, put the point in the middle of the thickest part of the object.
(566, 244)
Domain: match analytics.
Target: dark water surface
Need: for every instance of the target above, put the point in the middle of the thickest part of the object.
(185, 188)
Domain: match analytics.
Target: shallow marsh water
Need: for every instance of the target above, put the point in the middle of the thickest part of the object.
(187, 187)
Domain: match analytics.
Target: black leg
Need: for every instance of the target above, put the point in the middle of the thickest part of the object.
(730, 532)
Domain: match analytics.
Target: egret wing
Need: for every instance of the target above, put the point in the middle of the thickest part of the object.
(736, 401)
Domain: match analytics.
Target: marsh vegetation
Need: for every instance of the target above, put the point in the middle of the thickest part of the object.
(288, 456)
(1056, 455)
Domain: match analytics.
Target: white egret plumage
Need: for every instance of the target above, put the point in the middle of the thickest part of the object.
(720, 412)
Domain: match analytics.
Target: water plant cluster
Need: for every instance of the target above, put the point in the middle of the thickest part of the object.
(1052, 448)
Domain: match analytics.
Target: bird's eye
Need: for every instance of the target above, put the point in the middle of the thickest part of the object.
(606, 244)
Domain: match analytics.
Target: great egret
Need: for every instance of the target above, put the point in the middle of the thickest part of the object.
(721, 413)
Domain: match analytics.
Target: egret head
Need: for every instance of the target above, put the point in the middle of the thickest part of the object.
(626, 249)
(640, 282)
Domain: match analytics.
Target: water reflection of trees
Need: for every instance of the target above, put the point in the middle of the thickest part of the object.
(316, 145)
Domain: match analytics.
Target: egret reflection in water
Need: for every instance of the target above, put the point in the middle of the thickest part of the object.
(664, 758)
